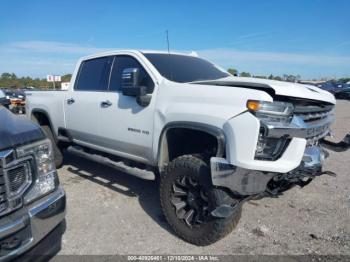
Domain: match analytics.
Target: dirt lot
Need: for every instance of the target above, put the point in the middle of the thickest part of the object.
(113, 213)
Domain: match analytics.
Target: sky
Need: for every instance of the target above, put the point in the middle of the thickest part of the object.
(306, 37)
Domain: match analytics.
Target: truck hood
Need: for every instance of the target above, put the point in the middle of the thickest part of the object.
(16, 131)
(279, 88)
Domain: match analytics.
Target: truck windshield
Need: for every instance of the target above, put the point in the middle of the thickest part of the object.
(183, 68)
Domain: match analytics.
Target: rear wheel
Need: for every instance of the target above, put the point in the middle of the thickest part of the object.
(58, 156)
(187, 199)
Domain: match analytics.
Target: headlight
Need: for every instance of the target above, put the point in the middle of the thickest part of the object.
(272, 108)
(270, 148)
(45, 179)
(271, 111)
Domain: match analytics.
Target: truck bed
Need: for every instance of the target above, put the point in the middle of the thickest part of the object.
(48, 102)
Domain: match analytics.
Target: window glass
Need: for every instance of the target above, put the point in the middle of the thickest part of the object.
(94, 74)
(183, 68)
(122, 62)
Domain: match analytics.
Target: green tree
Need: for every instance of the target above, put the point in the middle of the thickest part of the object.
(263, 77)
(66, 78)
(5, 76)
(245, 74)
(292, 78)
(233, 71)
(278, 78)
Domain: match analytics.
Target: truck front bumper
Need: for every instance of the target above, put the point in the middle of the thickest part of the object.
(302, 159)
(252, 182)
(247, 182)
(23, 230)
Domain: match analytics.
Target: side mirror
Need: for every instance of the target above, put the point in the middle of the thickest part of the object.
(131, 83)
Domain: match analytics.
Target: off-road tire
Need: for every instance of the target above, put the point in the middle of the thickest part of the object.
(58, 156)
(215, 228)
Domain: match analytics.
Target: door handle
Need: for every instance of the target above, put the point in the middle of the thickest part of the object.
(70, 101)
(106, 103)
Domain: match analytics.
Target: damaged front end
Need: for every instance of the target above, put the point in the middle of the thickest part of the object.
(245, 182)
(310, 122)
(251, 184)
(310, 167)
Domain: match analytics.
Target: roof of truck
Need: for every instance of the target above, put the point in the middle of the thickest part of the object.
(191, 53)
(121, 51)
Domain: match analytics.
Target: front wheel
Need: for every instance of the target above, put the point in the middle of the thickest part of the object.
(187, 199)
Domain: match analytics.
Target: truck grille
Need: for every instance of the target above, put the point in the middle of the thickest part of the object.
(3, 197)
(313, 113)
(317, 118)
(15, 178)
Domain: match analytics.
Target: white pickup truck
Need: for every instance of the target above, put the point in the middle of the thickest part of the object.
(214, 140)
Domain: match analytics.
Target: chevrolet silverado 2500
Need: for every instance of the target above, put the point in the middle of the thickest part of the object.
(32, 204)
(213, 139)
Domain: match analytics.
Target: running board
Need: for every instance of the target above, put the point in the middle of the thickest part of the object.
(121, 166)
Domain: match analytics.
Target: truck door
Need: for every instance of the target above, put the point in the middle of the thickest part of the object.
(82, 104)
(126, 127)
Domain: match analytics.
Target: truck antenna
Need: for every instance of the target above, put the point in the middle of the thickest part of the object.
(170, 65)
(167, 40)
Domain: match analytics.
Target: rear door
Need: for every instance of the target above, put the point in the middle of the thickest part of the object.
(127, 127)
(82, 105)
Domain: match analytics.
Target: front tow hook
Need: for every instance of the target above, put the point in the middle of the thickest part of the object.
(337, 147)
(223, 211)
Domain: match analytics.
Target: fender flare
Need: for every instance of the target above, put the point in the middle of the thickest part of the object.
(212, 130)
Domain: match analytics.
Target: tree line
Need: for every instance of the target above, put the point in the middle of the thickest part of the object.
(11, 80)
(284, 77)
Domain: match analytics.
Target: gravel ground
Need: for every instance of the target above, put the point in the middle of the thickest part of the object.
(112, 213)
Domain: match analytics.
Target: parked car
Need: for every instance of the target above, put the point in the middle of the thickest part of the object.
(214, 140)
(343, 94)
(4, 101)
(17, 99)
(16, 94)
(32, 204)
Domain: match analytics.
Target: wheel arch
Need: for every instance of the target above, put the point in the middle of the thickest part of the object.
(199, 128)
(41, 117)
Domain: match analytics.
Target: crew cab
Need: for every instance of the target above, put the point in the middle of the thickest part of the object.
(32, 203)
(214, 140)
